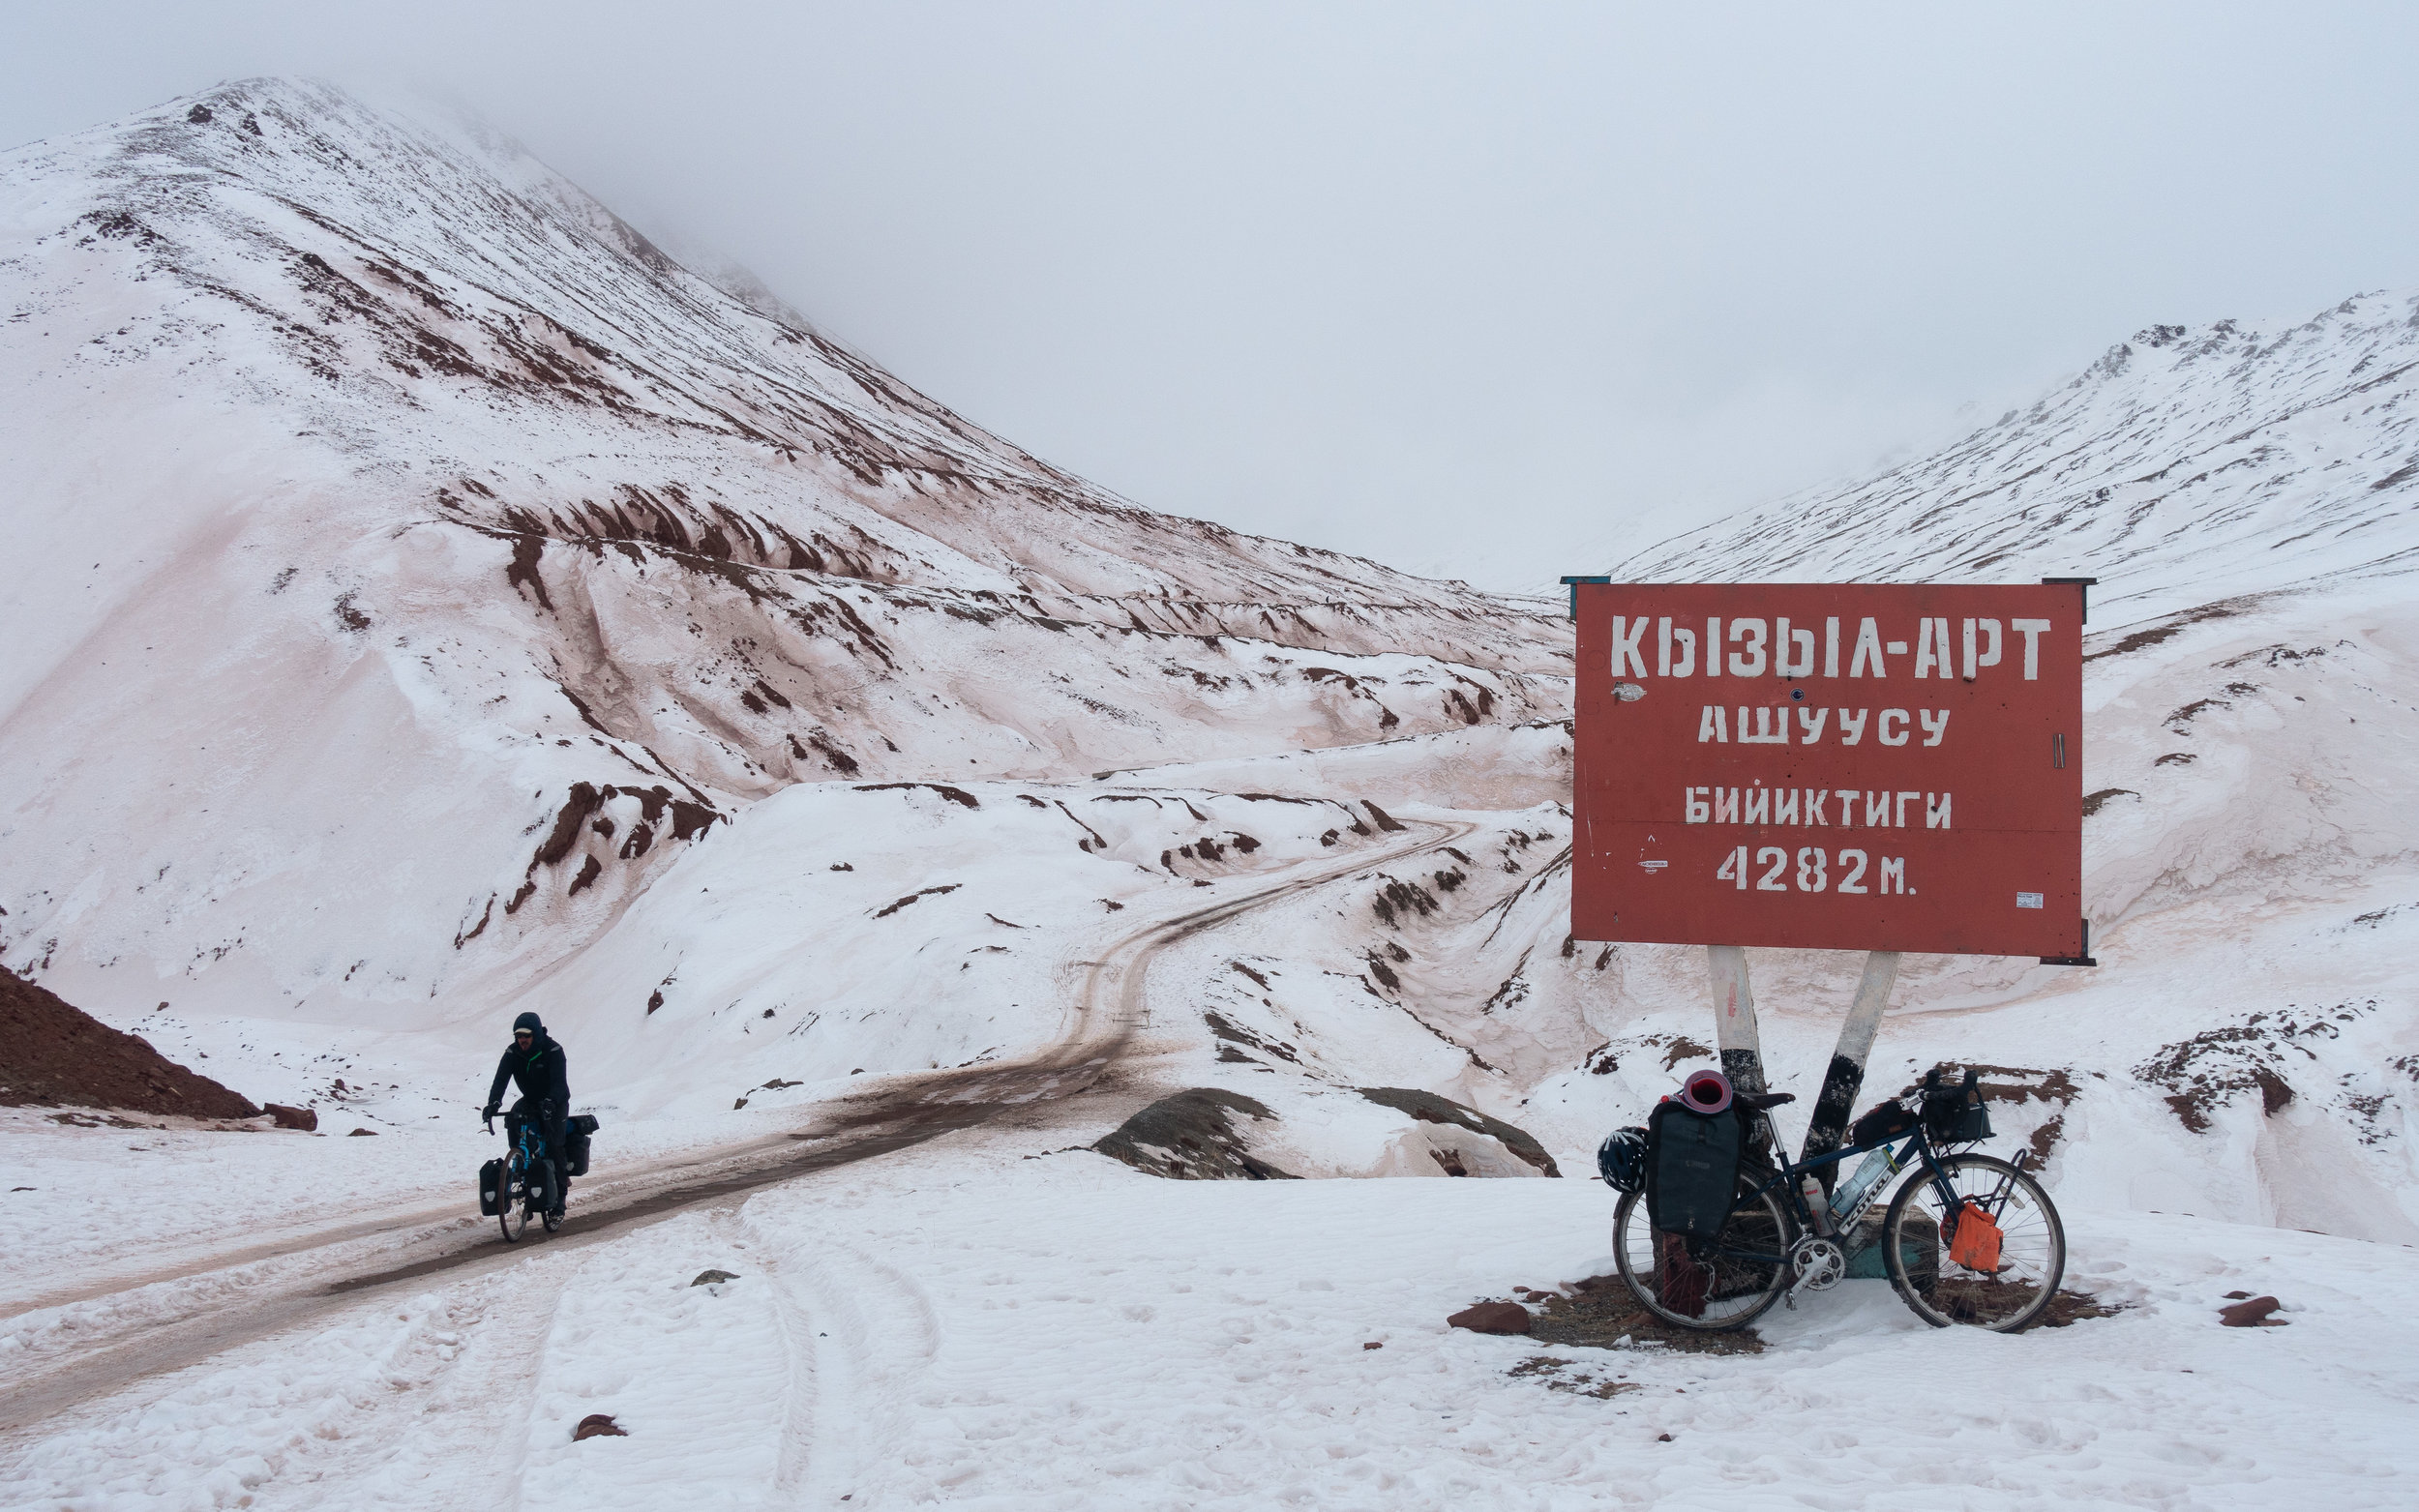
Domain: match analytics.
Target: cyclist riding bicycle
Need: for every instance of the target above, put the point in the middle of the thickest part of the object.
(535, 1062)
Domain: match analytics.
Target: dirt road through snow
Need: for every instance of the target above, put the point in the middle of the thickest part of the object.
(176, 1319)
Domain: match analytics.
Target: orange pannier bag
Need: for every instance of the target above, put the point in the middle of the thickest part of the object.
(1976, 1242)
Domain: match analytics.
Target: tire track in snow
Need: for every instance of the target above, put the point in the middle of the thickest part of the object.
(401, 1409)
(460, 1436)
(863, 1335)
(1111, 1008)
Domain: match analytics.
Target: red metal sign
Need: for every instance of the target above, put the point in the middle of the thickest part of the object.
(1844, 767)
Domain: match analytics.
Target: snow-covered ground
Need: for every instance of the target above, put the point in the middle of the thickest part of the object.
(1003, 1318)
(485, 614)
(964, 1326)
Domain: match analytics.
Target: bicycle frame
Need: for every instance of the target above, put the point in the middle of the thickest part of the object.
(1769, 1249)
(1786, 1175)
(531, 1147)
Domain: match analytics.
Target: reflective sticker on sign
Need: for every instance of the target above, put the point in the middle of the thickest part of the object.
(2028, 899)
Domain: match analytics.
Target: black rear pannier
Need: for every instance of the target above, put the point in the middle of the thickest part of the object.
(491, 1188)
(1692, 1169)
(1620, 1160)
(575, 1131)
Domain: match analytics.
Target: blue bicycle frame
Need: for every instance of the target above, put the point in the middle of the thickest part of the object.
(1785, 1178)
(532, 1142)
(531, 1147)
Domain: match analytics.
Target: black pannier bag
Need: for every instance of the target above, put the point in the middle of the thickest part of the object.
(1955, 1117)
(1692, 1169)
(1884, 1121)
(1620, 1160)
(491, 1188)
(575, 1131)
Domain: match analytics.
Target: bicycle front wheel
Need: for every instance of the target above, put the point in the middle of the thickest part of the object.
(1921, 1226)
(1725, 1284)
(514, 1215)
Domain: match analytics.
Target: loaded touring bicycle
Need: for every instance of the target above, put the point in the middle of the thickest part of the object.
(1715, 1225)
(520, 1186)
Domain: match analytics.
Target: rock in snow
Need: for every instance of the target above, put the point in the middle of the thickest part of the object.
(1501, 1317)
(1192, 1136)
(1429, 1107)
(2253, 1313)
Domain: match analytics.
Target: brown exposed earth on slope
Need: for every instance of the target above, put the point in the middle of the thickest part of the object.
(53, 1054)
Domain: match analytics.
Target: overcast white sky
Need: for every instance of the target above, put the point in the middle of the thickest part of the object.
(1495, 291)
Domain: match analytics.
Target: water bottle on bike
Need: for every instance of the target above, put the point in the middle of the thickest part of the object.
(1861, 1188)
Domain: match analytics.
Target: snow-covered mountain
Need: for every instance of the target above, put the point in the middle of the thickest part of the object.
(408, 560)
(427, 601)
(433, 601)
(2186, 465)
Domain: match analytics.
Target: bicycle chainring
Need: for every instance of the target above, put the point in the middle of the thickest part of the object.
(1816, 1264)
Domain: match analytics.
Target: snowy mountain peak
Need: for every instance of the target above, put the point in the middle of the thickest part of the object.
(400, 282)
(2186, 464)
(396, 523)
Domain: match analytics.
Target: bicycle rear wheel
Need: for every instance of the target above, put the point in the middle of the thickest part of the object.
(514, 1215)
(1921, 1226)
(1726, 1284)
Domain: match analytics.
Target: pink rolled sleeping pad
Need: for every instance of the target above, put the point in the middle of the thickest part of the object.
(1706, 1092)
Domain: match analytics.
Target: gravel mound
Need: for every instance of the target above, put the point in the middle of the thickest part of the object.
(53, 1055)
(1191, 1137)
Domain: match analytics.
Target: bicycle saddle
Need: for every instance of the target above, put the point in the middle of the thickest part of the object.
(1757, 1102)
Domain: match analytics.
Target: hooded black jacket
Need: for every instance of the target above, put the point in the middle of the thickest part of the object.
(539, 1072)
